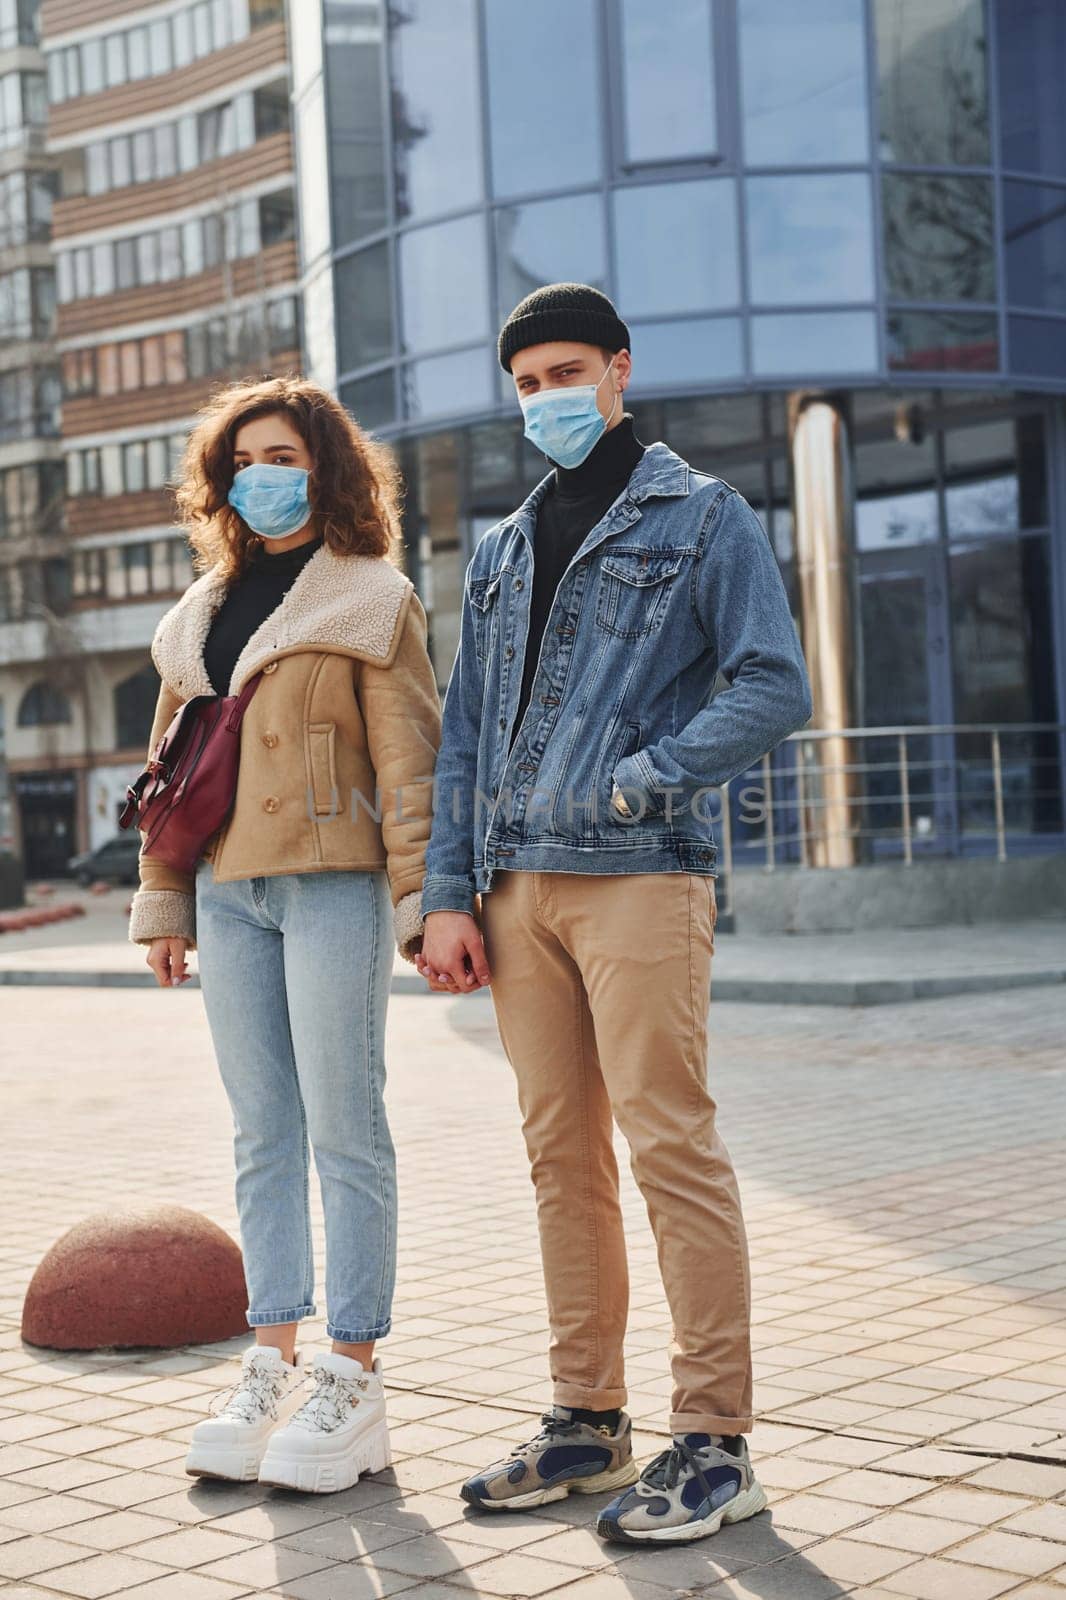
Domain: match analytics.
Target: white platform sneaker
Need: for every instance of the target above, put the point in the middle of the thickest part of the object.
(231, 1442)
(337, 1435)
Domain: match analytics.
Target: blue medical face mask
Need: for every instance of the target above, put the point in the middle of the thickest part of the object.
(565, 423)
(272, 500)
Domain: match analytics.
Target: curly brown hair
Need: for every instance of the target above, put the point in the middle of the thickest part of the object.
(354, 485)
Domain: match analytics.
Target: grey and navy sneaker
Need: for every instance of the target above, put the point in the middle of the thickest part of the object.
(564, 1456)
(686, 1493)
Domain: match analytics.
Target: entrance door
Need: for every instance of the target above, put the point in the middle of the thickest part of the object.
(907, 681)
(47, 804)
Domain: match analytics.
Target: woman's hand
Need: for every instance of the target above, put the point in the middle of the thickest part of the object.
(166, 957)
(452, 958)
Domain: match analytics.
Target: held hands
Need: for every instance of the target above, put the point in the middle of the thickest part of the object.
(452, 958)
(166, 957)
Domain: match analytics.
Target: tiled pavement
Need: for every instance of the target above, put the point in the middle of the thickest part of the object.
(905, 1184)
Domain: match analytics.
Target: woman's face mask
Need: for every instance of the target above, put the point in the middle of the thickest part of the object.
(272, 500)
(566, 423)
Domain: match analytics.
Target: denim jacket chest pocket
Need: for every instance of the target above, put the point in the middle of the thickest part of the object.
(484, 608)
(634, 589)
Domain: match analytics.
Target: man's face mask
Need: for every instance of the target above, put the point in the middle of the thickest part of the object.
(566, 423)
(272, 500)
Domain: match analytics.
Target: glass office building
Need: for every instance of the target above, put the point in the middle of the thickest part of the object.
(864, 199)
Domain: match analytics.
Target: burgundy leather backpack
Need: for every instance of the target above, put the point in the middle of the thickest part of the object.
(187, 790)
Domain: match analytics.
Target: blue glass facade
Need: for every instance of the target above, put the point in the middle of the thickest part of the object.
(863, 195)
(845, 191)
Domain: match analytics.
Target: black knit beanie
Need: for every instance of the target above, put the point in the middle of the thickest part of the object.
(562, 311)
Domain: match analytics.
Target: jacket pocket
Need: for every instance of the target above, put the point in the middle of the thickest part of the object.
(322, 748)
(484, 605)
(633, 591)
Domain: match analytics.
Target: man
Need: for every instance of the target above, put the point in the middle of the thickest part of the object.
(580, 745)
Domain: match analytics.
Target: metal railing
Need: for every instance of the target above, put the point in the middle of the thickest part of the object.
(844, 797)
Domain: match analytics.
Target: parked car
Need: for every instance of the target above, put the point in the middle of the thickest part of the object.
(114, 861)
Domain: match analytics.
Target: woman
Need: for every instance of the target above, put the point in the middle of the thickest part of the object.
(297, 898)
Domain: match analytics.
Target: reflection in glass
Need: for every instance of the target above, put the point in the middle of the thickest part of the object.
(1001, 630)
(371, 400)
(942, 341)
(364, 308)
(436, 107)
(1002, 660)
(803, 78)
(895, 678)
(444, 277)
(699, 271)
(447, 386)
(996, 476)
(544, 109)
(1034, 237)
(353, 41)
(939, 237)
(701, 429)
(932, 81)
(1031, 40)
(550, 241)
(896, 500)
(814, 343)
(668, 80)
(1037, 346)
(810, 239)
(698, 350)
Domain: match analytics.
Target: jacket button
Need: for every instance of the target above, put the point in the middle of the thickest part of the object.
(271, 803)
(509, 652)
(517, 585)
(271, 666)
(270, 740)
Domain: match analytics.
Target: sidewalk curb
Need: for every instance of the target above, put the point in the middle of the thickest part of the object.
(858, 992)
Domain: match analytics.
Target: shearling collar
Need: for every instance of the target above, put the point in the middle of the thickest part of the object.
(352, 605)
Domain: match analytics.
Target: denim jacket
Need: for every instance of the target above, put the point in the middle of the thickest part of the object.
(675, 584)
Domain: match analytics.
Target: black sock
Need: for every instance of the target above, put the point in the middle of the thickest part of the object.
(596, 1419)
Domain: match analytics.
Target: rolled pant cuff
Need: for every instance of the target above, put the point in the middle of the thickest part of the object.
(575, 1394)
(360, 1336)
(709, 1422)
(269, 1319)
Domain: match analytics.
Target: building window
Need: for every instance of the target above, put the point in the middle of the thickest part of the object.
(939, 237)
(933, 82)
(531, 47)
(134, 701)
(942, 341)
(810, 239)
(444, 279)
(1031, 36)
(700, 271)
(803, 82)
(669, 109)
(43, 706)
(549, 241)
(436, 108)
(1034, 229)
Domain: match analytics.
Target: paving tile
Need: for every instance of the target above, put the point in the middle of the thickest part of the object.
(948, 1580)
(1014, 1552)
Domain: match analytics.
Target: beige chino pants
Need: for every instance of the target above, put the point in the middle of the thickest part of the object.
(601, 987)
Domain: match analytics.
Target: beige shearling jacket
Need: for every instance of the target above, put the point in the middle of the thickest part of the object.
(338, 744)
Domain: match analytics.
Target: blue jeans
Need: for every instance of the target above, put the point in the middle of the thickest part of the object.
(295, 972)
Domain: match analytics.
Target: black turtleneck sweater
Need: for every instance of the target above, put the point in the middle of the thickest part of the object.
(249, 601)
(576, 500)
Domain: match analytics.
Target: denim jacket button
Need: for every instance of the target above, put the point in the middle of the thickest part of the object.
(518, 585)
(509, 652)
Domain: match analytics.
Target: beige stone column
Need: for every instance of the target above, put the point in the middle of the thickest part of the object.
(825, 570)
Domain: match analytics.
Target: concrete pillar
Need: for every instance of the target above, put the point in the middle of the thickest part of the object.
(825, 570)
